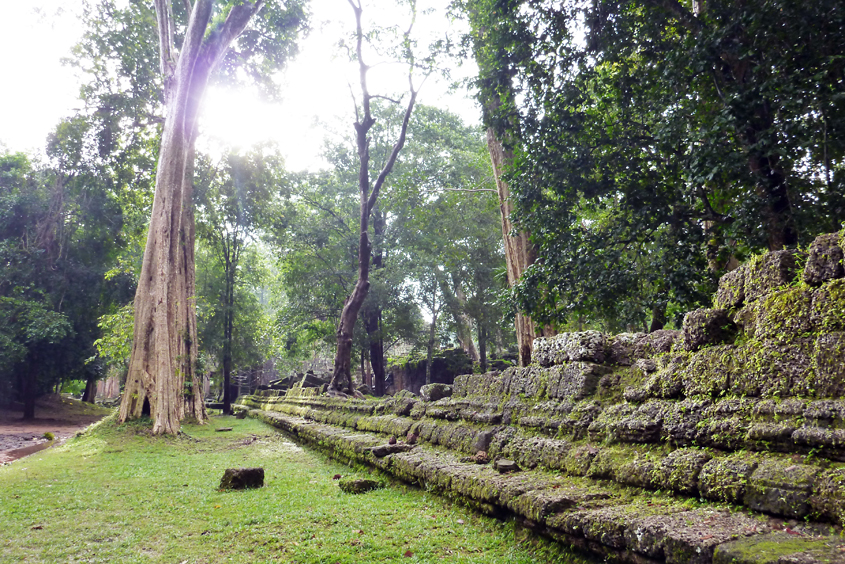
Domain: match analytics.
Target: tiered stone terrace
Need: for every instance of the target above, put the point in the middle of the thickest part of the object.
(723, 442)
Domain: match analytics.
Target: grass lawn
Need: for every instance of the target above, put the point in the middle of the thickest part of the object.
(117, 494)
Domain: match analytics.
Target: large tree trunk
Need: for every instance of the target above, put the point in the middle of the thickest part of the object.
(162, 376)
(342, 374)
(29, 388)
(90, 393)
(519, 251)
(456, 302)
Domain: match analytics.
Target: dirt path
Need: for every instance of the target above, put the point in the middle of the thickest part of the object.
(54, 414)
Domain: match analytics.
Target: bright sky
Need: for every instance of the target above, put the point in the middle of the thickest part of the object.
(38, 91)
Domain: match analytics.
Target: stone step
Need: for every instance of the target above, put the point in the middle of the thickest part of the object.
(624, 523)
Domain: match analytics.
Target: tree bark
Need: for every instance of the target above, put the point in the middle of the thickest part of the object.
(29, 388)
(432, 331)
(341, 374)
(161, 373)
(90, 393)
(372, 314)
(519, 251)
(482, 345)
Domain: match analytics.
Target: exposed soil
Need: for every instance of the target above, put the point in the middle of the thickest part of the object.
(53, 414)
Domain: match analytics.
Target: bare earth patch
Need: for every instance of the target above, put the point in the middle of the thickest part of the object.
(53, 414)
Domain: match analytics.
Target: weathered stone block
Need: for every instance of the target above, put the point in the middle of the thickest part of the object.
(781, 547)
(784, 315)
(358, 485)
(639, 472)
(577, 460)
(642, 426)
(434, 392)
(731, 293)
(828, 499)
(704, 327)
(829, 365)
(724, 479)
(829, 307)
(781, 487)
(680, 469)
(588, 346)
(623, 348)
(691, 538)
(626, 349)
(681, 419)
(825, 261)
(772, 369)
(242, 478)
(765, 274)
(574, 380)
(667, 382)
(710, 371)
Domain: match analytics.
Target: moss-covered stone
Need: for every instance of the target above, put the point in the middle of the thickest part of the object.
(731, 293)
(829, 307)
(769, 272)
(589, 346)
(704, 327)
(574, 380)
(725, 479)
(785, 314)
(781, 487)
(825, 261)
(679, 471)
(829, 365)
(709, 371)
(781, 547)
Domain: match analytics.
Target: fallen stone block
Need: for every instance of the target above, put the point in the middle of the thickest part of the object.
(242, 478)
(358, 485)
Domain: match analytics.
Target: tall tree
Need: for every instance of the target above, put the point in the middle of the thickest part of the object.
(161, 379)
(495, 40)
(369, 192)
(234, 202)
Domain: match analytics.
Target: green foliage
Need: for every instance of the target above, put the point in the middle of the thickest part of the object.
(57, 235)
(652, 146)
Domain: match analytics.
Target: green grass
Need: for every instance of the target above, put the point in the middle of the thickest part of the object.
(117, 494)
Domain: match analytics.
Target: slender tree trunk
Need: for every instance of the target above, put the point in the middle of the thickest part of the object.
(341, 374)
(228, 329)
(372, 314)
(432, 331)
(161, 375)
(482, 345)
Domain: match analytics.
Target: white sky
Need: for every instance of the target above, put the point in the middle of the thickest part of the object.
(38, 91)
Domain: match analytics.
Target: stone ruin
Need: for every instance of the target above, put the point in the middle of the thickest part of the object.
(722, 442)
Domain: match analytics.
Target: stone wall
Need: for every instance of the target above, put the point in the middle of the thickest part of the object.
(721, 442)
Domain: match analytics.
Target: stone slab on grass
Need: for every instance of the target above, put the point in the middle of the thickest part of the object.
(242, 478)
